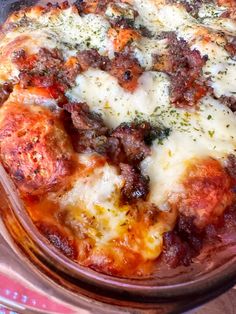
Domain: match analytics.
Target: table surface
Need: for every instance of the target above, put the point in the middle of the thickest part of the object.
(225, 304)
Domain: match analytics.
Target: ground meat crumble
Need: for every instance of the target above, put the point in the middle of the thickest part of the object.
(186, 241)
(47, 68)
(185, 70)
(126, 146)
(61, 241)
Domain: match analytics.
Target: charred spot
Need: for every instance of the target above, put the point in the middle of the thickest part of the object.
(231, 165)
(36, 171)
(189, 232)
(183, 243)
(79, 5)
(5, 91)
(176, 252)
(128, 75)
(136, 185)
(126, 69)
(132, 140)
(19, 175)
(58, 239)
(229, 101)
(186, 241)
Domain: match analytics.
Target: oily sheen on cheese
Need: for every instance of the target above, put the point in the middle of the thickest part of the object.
(85, 197)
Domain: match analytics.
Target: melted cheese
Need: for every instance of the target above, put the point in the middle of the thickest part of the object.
(93, 203)
(114, 103)
(147, 49)
(66, 30)
(210, 16)
(95, 196)
(220, 67)
(89, 31)
(209, 131)
(212, 137)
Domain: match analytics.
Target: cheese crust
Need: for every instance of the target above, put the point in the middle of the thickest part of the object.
(117, 120)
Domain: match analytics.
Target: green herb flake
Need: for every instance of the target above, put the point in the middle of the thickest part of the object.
(211, 133)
